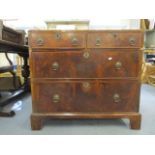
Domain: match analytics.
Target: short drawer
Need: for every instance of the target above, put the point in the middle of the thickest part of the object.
(85, 96)
(57, 39)
(86, 64)
(115, 39)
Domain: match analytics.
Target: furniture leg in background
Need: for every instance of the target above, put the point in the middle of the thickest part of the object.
(21, 50)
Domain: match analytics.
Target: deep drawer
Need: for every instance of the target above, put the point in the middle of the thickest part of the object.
(85, 96)
(86, 64)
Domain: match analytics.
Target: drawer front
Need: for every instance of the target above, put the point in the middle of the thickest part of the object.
(120, 95)
(122, 64)
(57, 39)
(13, 36)
(65, 65)
(86, 64)
(65, 96)
(112, 39)
(85, 96)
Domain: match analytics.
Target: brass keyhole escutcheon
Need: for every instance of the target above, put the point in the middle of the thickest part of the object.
(40, 41)
(115, 35)
(86, 55)
(75, 41)
(118, 65)
(56, 98)
(98, 42)
(132, 41)
(55, 66)
(58, 36)
(116, 98)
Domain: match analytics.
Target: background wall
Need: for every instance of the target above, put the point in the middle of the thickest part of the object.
(94, 23)
(3, 60)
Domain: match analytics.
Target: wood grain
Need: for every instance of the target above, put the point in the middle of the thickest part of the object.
(85, 75)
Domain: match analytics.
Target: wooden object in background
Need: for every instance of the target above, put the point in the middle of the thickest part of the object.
(148, 74)
(85, 75)
(144, 24)
(9, 47)
(11, 35)
(12, 41)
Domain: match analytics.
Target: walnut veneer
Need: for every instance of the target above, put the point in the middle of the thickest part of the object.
(85, 75)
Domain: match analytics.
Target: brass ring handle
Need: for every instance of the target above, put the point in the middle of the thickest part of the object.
(116, 98)
(118, 65)
(56, 98)
(98, 42)
(132, 41)
(40, 41)
(75, 41)
(86, 85)
(55, 66)
(86, 55)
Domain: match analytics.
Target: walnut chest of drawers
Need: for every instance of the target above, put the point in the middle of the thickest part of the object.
(85, 75)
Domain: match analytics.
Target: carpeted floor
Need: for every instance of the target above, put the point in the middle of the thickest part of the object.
(20, 123)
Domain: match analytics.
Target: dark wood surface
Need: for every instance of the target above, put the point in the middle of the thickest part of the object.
(85, 39)
(6, 69)
(76, 97)
(10, 47)
(99, 64)
(115, 39)
(85, 74)
(13, 41)
(11, 35)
